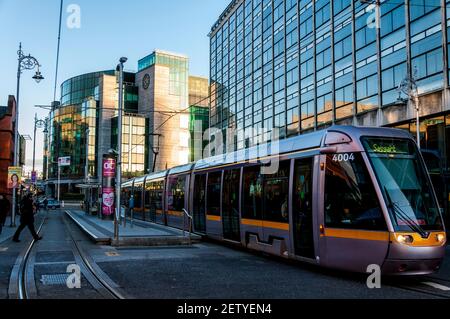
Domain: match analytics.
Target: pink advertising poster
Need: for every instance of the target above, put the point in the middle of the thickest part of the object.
(108, 201)
(109, 167)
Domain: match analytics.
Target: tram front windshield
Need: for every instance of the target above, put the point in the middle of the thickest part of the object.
(405, 185)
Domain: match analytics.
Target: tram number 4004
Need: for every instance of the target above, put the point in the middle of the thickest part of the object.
(343, 157)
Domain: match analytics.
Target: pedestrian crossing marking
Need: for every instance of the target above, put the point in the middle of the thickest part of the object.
(437, 286)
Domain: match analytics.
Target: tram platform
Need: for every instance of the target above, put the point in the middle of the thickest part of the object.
(138, 233)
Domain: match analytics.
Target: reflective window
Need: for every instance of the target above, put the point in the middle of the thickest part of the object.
(214, 192)
(199, 202)
(175, 193)
(350, 198)
(276, 194)
(252, 193)
(405, 184)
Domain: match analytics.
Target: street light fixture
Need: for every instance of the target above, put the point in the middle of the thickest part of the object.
(119, 69)
(37, 124)
(25, 62)
(409, 87)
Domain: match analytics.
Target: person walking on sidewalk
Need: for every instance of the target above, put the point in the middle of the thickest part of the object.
(46, 204)
(26, 218)
(4, 209)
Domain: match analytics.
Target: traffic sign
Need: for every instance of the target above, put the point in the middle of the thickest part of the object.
(64, 161)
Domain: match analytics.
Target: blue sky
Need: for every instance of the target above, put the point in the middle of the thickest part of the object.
(109, 29)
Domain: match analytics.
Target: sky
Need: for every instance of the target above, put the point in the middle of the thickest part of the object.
(108, 30)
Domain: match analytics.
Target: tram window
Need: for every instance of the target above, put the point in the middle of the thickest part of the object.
(154, 194)
(276, 194)
(252, 193)
(147, 197)
(126, 193)
(137, 196)
(231, 190)
(199, 202)
(303, 188)
(175, 200)
(350, 198)
(214, 190)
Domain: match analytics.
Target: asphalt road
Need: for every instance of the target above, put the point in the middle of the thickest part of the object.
(206, 270)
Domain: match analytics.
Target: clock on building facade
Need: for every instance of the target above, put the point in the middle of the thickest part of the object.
(146, 81)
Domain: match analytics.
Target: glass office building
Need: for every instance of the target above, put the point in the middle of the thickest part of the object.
(83, 99)
(133, 144)
(198, 116)
(304, 65)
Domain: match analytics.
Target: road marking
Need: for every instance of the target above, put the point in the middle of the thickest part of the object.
(112, 254)
(437, 286)
(3, 249)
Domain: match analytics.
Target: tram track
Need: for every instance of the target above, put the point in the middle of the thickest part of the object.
(19, 274)
(420, 286)
(93, 274)
(22, 280)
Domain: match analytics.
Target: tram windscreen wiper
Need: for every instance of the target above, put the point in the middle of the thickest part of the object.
(403, 216)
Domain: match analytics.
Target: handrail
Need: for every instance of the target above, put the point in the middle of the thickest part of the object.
(191, 220)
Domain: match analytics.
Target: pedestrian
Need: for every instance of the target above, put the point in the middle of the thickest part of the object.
(26, 218)
(46, 204)
(131, 205)
(4, 210)
(36, 204)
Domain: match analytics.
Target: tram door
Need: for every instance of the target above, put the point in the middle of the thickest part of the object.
(200, 203)
(230, 205)
(302, 208)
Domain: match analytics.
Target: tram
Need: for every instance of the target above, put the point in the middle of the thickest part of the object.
(344, 198)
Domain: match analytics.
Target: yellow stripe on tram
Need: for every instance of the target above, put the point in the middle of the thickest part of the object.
(213, 218)
(357, 234)
(265, 224)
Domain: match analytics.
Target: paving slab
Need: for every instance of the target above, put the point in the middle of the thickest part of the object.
(7, 231)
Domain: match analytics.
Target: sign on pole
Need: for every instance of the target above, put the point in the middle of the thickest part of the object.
(108, 181)
(14, 177)
(34, 177)
(64, 161)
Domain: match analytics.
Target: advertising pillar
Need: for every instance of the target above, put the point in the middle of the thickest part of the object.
(108, 187)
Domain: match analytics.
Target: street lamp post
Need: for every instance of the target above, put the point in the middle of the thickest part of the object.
(86, 174)
(25, 62)
(119, 150)
(154, 150)
(86, 168)
(37, 124)
(409, 87)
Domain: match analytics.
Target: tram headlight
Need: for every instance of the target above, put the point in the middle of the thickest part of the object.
(405, 239)
(440, 238)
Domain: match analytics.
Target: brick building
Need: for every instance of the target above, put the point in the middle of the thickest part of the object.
(7, 123)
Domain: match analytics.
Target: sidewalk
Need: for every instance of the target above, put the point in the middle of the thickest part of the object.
(7, 231)
(141, 234)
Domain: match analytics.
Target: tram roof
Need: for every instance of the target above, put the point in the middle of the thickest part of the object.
(298, 143)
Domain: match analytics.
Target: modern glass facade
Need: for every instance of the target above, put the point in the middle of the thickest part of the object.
(133, 144)
(199, 116)
(164, 92)
(79, 111)
(178, 70)
(302, 65)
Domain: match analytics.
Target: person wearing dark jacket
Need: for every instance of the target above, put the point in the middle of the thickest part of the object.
(4, 209)
(26, 218)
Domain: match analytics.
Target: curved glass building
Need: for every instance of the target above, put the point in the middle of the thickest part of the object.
(80, 127)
